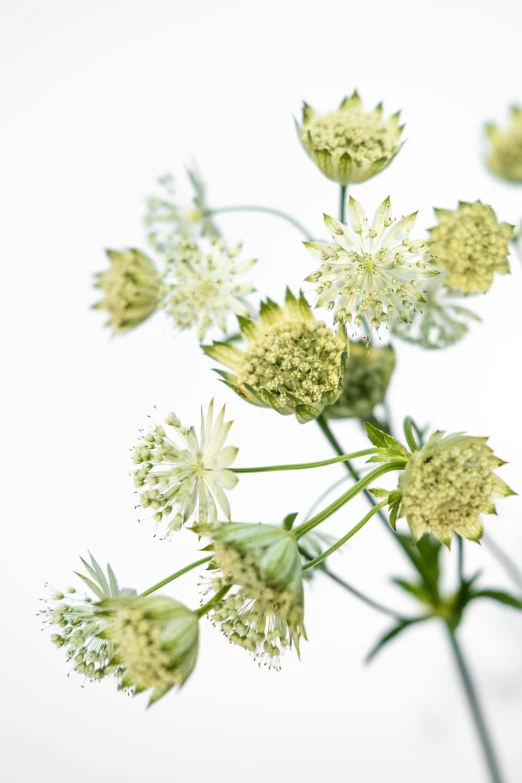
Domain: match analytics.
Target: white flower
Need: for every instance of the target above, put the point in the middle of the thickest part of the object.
(203, 287)
(370, 272)
(185, 477)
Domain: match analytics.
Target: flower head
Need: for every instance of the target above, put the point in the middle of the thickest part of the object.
(155, 640)
(183, 477)
(349, 144)
(204, 287)
(470, 245)
(448, 484)
(132, 289)
(373, 271)
(263, 613)
(505, 154)
(291, 362)
(366, 379)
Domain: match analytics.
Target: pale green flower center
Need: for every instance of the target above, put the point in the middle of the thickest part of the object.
(365, 137)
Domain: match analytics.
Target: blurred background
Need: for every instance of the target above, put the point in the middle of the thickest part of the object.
(98, 99)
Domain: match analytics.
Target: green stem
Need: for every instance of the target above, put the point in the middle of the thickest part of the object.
(476, 710)
(267, 210)
(518, 250)
(319, 559)
(213, 601)
(361, 596)
(306, 465)
(172, 577)
(409, 435)
(386, 467)
(460, 552)
(342, 203)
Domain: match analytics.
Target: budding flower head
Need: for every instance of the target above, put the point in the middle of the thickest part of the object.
(470, 245)
(132, 289)
(350, 145)
(291, 362)
(155, 640)
(504, 156)
(264, 611)
(366, 379)
(204, 286)
(370, 272)
(448, 484)
(184, 477)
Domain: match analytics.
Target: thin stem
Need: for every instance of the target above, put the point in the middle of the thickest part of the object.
(320, 558)
(409, 435)
(361, 596)
(510, 566)
(460, 553)
(213, 601)
(342, 203)
(172, 577)
(306, 465)
(386, 467)
(476, 710)
(267, 210)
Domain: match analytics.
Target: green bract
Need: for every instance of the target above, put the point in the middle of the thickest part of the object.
(366, 378)
(291, 362)
(504, 156)
(349, 144)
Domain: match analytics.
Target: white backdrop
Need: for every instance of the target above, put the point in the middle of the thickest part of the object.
(98, 98)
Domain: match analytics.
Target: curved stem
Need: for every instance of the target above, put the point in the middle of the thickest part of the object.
(174, 576)
(267, 210)
(476, 710)
(342, 203)
(409, 435)
(319, 559)
(205, 608)
(307, 465)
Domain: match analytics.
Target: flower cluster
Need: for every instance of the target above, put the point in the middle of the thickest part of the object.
(365, 383)
(504, 156)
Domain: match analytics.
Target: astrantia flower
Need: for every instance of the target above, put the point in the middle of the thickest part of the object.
(155, 640)
(204, 287)
(132, 289)
(366, 378)
(448, 484)
(371, 272)
(184, 477)
(263, 612)
(505, 155)
(291, 362)
(470, 245)
(350, 145)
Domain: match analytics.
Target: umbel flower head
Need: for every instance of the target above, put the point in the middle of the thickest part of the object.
(183, 477)
(291, 362)
(263, 612)
(366, 379)
(203, 287)
(349, 144)
(371, 272)
(448, 484)
(155, 641)
(132, 289)
(470, 245)
(504, 157)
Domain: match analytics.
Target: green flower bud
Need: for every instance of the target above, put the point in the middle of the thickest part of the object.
(504, 157)
(366, 379)
(350, 145)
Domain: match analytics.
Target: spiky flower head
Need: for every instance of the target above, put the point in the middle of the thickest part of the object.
(448, 484)
(371, 272)
(264, 610)
(132, 289)
(504, 157)
(366, 379)
(470, 245)
(204, 285)
(349, 144)
(155, 640)
(292, 362)
(80, 624)
(183, 477)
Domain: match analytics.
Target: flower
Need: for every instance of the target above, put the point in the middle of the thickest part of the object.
(185, 477)
(349, 144)
(371, 273)
(365, 382)
(203, 287)
(291, 362)
(155, 640)
(470, 245)
(441, 322)
(448, 484)
(505, 154)
(132, 288)
(80, 624)
(264, 611)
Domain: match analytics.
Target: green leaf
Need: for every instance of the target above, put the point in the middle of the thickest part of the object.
(418, 591)
(385, 442)
(115, 590)
(392, 634)
(289, 520)
(499, 595)
(91, 585)
(380, 493)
